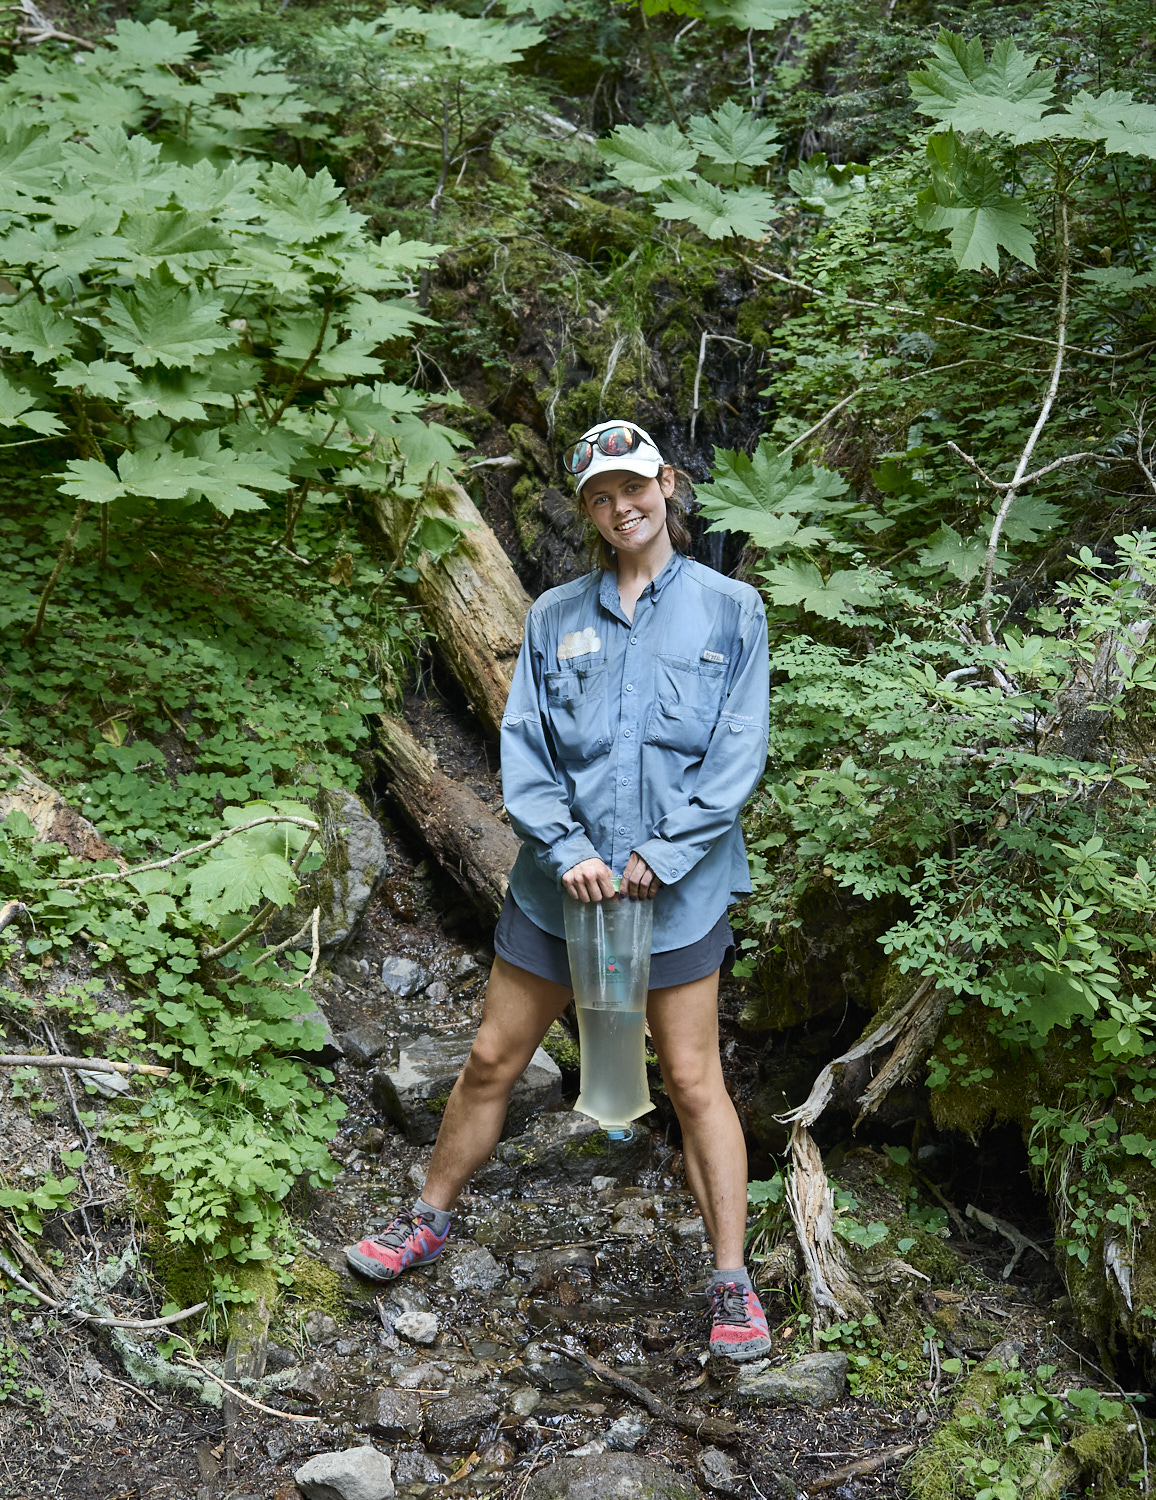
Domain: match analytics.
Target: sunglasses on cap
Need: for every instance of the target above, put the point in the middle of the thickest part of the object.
(615, 442)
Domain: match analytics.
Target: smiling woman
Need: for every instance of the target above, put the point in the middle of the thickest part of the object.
(635, 730)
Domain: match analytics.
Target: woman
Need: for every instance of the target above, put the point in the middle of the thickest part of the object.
(635, 730)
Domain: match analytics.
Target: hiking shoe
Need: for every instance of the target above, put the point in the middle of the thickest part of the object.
(738, 1326)
(408, 1241)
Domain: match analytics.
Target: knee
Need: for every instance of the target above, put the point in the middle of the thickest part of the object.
(693, 1089)
(488, 1069)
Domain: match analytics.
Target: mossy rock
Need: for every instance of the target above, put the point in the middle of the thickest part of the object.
(561, 1046)
(317, 1287)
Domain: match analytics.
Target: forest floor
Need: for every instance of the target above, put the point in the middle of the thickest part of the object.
(618, 1265)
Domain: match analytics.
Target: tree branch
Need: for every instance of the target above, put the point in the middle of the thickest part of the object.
(80, 1064)
(1017, 479)
(1057, 463)
(299, 374)
(49, 589)
(213, 843)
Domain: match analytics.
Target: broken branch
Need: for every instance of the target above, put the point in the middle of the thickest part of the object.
(213, 843)
(79, 1064)
(867, 1465)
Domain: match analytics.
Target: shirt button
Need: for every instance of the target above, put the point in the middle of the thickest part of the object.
(622, 830)
(634, 640)
(629, 687)
(626, 781)
(626, 734)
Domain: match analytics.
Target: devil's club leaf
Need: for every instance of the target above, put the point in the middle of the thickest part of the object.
(799, 582)
(746, 492)
(20, 409)
(733, 137)
(646, 159)
(1002, 97)
(827, 189)
(966, 198)
(33, 328)
(718, 212)
(751, 15)
(163, 324)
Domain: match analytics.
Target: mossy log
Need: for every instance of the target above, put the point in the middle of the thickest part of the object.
(463, 835)
(473, 601)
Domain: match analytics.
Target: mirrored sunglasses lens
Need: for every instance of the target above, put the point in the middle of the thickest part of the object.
(617, 441)
(578, 458)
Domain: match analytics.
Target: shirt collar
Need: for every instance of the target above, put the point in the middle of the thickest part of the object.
(608, 589)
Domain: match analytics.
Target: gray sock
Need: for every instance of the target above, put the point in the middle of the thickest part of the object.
(740, 1277)
(437, 1218)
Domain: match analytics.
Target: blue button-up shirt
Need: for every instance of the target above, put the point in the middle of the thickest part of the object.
(646, 735)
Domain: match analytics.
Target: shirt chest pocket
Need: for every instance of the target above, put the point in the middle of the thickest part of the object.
(688, 699)
(577, 710)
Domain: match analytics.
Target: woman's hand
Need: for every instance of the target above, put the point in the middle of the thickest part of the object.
(639, 881)
(589, 881)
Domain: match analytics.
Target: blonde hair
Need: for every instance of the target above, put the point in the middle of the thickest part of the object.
(678, 503)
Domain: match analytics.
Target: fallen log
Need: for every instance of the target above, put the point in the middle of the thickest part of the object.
(472, 599)
(463, 835)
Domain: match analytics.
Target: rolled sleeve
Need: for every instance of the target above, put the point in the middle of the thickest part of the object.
(533, 791)
(731, 767)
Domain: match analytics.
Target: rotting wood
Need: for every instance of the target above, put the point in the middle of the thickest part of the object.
(54, 821)
(93, 1320)
(464, 836)
(709, 1429)
(79, 1064)
(472, 599)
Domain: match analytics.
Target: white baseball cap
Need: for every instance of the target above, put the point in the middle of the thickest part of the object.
(642, 457)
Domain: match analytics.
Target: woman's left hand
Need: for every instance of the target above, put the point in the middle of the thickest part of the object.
(639, 881)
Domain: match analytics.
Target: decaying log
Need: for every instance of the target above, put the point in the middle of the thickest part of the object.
(472, 598)
(465, 837)
(53, 820)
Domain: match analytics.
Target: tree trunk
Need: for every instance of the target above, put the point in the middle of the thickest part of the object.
(473, 600)
(466, 838)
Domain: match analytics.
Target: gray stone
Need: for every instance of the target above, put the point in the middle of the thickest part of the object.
(355, 1474)
(389, 1414)
(320, 1327)
(311, 1386)
(437, 993)
(415, 1466)
(413, 1091)
(465, 968)
(365, 1043)
(456, 1424)
(416, 1327)
(404, 977)
(626, 1434)
(815, 1380)
(525, 1401)
(609, 1476)
(562, 1151)
(355, 861)
(469, 1268)
(719, 1473)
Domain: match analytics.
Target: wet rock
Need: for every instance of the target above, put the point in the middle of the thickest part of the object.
(364, 1043)
(404, 977)
(815, 1380)
(466, 967)
(417, 1377)
(525, 1401)
(416, 1327)
(389, 1414)
(608, 1476)
(563, 1151)
(631, 1224)
(719, 1473)
(626, 1434)
(311, 1386)
(469, 1268)
(413, 1092)
(437, 993)
(415, 1466)
(320, 1328)
(499, 1455)
(690, 1229)
(278, 1357)
(355, 1474)
(456, 1424)
(371, 1141)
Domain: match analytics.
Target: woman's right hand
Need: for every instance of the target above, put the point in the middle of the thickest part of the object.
(589, 881)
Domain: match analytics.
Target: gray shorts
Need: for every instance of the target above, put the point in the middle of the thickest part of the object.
(523, 943)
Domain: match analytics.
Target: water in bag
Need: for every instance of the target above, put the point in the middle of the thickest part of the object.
(609, 948)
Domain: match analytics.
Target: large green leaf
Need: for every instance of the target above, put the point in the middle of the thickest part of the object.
(1030, 518)
(32, 327)
(754, 494)
(1112, 117)
(120, 168)
(827, 189)
(751, 15)
(798, 582)
(732, 137)
(20, 409)
(470, 42)
(184, 242)
(299, 208)
(646, 160)
(961, 556)
(1003, 97)
(155, 45)
(718, 212)
(160, 323)
(966, 198)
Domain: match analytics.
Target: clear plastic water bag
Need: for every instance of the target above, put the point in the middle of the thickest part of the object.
(609, 947)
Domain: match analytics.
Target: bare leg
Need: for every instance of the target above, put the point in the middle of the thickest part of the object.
(684, 1025)
(517, 1014)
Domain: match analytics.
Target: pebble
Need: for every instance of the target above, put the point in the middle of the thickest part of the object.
(355, 1474)
(598, 1476)
(456, 1424)
(525, 1401)
(416, 1327)
(600, 1184)
(469, 1268)
(626, 1434)
(404, 977)
(718, 1472)
(320, 1328)
(389, 1414)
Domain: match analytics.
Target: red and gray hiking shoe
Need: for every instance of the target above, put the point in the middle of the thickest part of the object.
(407, 1241)
(738, 1326)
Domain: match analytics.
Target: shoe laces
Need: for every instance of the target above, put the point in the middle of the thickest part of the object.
(729, 1303)
(400, 1230)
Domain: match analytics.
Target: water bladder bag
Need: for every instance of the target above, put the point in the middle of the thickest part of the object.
(609, 947)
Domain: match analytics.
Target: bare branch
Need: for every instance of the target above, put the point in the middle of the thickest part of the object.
(1056, 463)
(79, 1064)
(213, 843)
(1017, 478)
(825, 418)
(188, 1358)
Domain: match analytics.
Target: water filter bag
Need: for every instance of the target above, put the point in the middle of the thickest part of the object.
(608, 943)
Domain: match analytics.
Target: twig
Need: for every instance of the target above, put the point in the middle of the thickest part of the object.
(213, 843)
(270, 1411)
(866, 1465)
(721, 338)
(1059, 463)
(710, 1429)
(298, 375)
(62, 557)
(313, 962)
(825, 418)
(80, 1064)
(91, 1318)
(1017, 479)
(41, 29)
(1019, 1241)
(263, 915)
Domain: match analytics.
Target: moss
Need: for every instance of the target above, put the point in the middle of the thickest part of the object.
(561, 1046)
(1108, 1452)
(526, 496)
(316, 1285)
(594, 1145)
(437, 1104)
